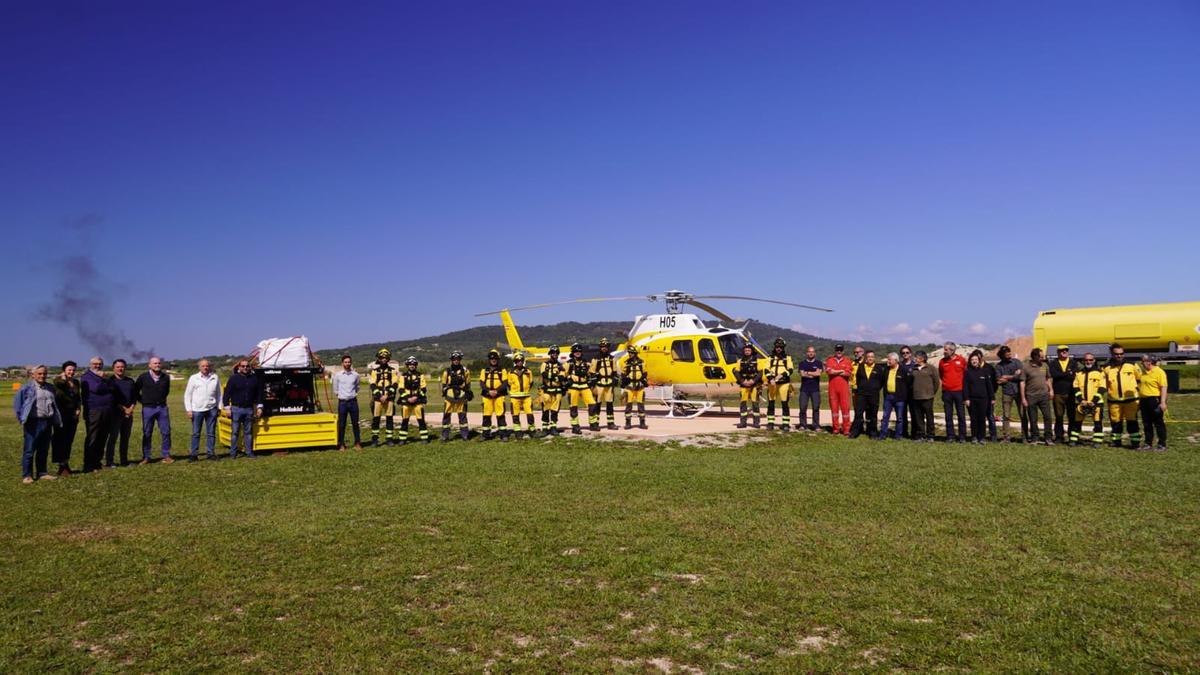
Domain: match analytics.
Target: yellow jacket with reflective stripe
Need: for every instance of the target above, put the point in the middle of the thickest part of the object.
(520, 382)
(1089, 385)
(493, 379)
(604, 370)
(1122, 381)
(779, 368)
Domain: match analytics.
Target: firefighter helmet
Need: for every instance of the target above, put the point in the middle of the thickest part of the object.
(576, 348)
(780, 343)
(552, 351)
(604, 342)
(518, 358)
(455, 355)
(383, 353)
(410, 361)
(632, 349)
(493, 354)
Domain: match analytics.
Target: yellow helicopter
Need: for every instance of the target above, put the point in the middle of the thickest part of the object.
(685, 359)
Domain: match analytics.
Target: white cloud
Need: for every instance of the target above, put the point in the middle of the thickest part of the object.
(977, 329)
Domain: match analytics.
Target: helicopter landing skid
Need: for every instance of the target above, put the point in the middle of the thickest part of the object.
(683, 408)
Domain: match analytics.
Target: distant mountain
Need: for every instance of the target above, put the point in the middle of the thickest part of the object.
(475, 342)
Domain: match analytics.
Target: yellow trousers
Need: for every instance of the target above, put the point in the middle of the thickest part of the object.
(522, 404)
(493, 406)
(580, 397)
(454, 406)
(750, 394)
(603, 394)
(382, 409)
(635, 395)
(550, 401)
(779, 392)
(1122, 411)
(1081, 415)
(407, 411)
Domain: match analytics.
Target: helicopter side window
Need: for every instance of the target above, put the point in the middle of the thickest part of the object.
(708, 351)
(731, 347)
(681, 350)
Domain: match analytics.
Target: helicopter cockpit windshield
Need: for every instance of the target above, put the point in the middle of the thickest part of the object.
(731, 346)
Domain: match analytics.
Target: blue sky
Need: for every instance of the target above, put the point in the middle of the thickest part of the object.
(929, 169)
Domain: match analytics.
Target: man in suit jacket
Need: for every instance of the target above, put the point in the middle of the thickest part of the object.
(869, 380)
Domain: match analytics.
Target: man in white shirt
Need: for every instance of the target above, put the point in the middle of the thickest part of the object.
(202, 401)
(345, 387)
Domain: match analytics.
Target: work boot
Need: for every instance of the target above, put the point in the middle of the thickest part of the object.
(642, 425)
(576, 430)
(610, 426)
(518, 435)
(445, 435)
(1116, 443)
(594, 427)
(756, 424)
(785, 428)
(628, 424)
(556, 431)
(464, 433)
(770, 426)
(742, 424)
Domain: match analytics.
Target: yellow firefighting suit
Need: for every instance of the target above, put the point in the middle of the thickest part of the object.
(579, 390)
(493, 379)
(456, 392)
(778, 377)
(413, 397)
(634, 383)
(1089, 398)
(1121, 382)
(520, 395)
(382, 381)
(603, 371)
(750, 379)
(552, 388)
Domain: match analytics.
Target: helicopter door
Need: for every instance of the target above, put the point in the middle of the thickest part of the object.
(708, 355)
(682, 350)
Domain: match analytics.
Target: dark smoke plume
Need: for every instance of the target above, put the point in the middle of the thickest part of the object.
(82, 301)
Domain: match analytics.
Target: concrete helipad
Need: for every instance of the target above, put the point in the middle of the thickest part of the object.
(660, 426)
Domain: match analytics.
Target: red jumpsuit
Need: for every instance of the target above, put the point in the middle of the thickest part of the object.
(839, 393)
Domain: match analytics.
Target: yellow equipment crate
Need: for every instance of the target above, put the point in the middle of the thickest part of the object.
(284, 432)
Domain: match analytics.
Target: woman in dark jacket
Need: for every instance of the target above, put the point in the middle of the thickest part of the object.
(979, 386)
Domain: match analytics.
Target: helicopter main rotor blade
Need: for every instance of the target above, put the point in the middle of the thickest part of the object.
(773, 302)
(711, 310)
(568, 302)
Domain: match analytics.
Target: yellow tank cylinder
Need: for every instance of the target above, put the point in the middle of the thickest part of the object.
(1136, 327)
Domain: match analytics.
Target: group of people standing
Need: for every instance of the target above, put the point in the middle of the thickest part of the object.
(50, 412)
(1072, 391)
(905, 384)
(590, 384)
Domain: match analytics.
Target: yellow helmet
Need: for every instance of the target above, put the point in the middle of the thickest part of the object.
(383, 353)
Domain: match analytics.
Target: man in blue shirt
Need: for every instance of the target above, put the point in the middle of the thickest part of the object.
(243, 402)
(810, 388)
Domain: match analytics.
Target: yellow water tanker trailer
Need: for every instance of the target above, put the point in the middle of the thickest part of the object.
(1170, 330)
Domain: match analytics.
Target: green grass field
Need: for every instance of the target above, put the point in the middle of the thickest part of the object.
(797, 553)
